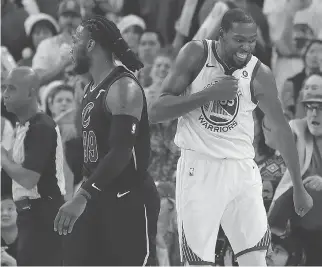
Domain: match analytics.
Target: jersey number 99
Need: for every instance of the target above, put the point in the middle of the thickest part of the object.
(90, 147)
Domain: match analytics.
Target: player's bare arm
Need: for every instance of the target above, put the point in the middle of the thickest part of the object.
(266, 94)
(172, 104)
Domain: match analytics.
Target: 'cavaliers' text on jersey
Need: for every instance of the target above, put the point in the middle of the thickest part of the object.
(221, 129)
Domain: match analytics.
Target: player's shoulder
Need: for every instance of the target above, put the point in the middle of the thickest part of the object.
(124, 93)
(192, 51)
(264, 75)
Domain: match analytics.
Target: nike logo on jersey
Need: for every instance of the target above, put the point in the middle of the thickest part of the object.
(119, 195)
(99, 93)
(209, 66)
(94, 186)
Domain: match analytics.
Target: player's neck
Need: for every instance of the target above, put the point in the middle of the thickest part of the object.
(221, 54)
(100, 70)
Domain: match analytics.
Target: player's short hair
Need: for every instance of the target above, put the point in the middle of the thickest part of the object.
(106, 33)
(235, 15)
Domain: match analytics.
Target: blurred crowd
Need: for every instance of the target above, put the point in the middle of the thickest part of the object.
(38, 33)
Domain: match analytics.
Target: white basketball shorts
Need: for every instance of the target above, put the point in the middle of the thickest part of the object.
(211, 192)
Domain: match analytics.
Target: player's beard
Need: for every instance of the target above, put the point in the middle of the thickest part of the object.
(82, 64)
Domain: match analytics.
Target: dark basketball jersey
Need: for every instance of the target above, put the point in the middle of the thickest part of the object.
(96, 127)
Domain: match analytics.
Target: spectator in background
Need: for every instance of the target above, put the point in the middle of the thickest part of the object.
(150, 44)
(286, 252)
(9, 229)
(168, 253)
(164, 153)
(132, 28)
(290, 94)
(160, 69)
(304, 17)
(308, 135)
(270, 163)
(38, 27)
(13, 35)
(100, 7)
(61, 107)
(53, 54)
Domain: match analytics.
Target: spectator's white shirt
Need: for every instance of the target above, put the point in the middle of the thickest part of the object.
(6, 133)
(49, 53)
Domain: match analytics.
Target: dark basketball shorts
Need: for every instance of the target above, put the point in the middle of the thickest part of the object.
(113, 230)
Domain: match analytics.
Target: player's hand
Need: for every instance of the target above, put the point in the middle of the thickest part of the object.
(6, 259)
(303, 202)
(223, 88)
(68, 214)
(313, 182)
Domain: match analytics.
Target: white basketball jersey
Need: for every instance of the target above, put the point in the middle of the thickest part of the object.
(220, 129)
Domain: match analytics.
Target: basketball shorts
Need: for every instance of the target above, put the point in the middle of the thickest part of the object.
(213, 192)
(112, 231)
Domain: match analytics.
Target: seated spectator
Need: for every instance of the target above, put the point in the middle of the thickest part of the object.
(270, 163)
(167, 235)
(38, 27)
(308, 133)
(53, 54)
(150, 44)
(9, 229)
(292, 87)
(286, 252)
(132, 28)
(160, 68)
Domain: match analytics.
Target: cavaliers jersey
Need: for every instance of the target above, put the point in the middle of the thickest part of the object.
(96, 127)
(221, 129)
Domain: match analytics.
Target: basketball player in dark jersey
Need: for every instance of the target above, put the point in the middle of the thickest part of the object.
(115, 200)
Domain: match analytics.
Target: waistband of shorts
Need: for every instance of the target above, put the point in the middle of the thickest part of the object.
(200, 156)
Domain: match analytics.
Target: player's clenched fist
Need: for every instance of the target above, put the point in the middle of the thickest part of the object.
(223, 88)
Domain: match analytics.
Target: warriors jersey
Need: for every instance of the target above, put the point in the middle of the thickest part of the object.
(96, 127)
(220, 129)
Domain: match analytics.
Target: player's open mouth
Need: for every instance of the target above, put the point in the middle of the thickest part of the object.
(241, 56)
(315, 123)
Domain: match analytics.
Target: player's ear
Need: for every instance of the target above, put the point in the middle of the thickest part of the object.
(90, 45)
(221, 32)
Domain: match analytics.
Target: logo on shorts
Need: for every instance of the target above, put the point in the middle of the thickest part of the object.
(133, 128)
(191, 171)
(219, 116)
(119, 195)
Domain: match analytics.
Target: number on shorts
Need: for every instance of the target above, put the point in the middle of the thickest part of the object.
(90, 146)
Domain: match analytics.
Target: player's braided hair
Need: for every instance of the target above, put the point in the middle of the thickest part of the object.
(108, 35)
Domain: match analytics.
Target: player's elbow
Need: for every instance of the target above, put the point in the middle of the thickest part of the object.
(152, 113)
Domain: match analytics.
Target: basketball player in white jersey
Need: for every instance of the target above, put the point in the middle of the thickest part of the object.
(218, 181)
